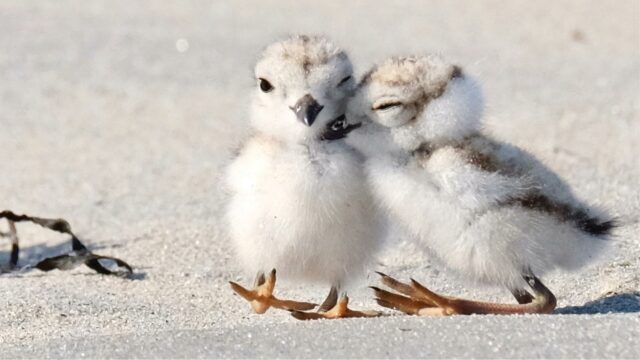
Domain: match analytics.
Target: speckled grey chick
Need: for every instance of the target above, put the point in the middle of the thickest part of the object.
(489, 210)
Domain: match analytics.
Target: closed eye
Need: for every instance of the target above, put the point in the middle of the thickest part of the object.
(344, 81)
(388, 105)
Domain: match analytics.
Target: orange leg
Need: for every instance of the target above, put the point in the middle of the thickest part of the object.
(419, 300)
(261, 297)
(339, 310)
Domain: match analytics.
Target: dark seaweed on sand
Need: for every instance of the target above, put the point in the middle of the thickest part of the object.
(79, 254)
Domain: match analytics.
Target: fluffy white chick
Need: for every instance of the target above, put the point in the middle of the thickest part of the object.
(299, 200)
(489, 211)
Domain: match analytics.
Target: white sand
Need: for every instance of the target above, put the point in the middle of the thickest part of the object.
(105, 123)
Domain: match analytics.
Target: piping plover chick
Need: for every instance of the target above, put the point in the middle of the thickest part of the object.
(300, 202)
(488, 210)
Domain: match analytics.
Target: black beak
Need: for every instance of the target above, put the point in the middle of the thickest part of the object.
(307, 109)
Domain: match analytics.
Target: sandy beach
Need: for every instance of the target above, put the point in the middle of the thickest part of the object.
(120, 117)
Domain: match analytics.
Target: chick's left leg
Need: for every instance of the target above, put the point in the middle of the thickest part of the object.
(334, 307)
(262, 298)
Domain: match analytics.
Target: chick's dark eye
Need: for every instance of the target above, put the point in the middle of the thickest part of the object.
(265, 86)
(388, 105)
(344, 81)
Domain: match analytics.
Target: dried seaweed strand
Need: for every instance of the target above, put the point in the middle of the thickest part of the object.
(78, 256)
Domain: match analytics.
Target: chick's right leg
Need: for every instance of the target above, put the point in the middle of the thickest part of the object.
(261, 297)
(416, 299)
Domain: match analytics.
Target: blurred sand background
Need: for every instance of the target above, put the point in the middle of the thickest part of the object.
(119, 116)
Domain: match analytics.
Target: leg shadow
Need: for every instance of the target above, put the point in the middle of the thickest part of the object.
(618, 303)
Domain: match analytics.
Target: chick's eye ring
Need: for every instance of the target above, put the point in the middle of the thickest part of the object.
(388, 105)
(265, 85)
(338, 125)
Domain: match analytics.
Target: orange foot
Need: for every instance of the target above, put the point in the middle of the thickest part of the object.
(261, 297)
(339, 311)
(416, 299)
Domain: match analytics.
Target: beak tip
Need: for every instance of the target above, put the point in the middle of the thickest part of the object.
(309, 120)
(307, 109)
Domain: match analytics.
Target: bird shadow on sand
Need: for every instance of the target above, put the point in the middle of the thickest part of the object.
(617, 303)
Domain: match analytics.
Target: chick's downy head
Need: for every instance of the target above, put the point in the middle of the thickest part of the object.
(302, 84)
(420, 99)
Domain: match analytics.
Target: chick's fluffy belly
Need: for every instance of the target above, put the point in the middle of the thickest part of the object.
(304, 211)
